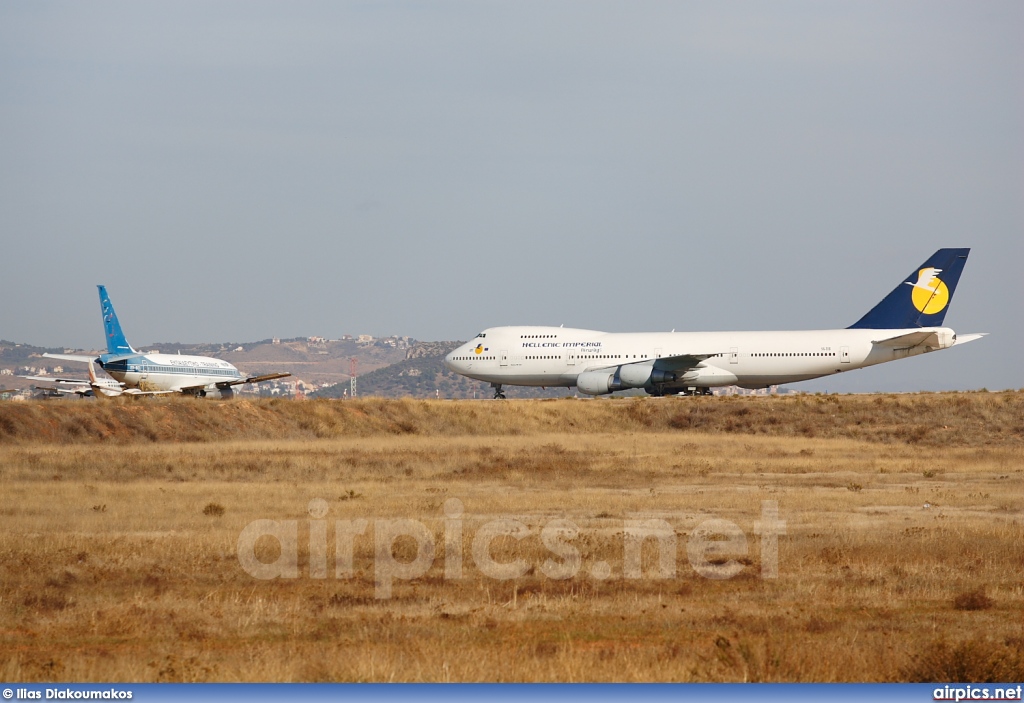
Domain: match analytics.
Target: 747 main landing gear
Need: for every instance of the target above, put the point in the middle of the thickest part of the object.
(498, 393)
(695, 391)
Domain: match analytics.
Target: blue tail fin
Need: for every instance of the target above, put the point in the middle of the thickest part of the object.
(116, 343)
(923, 298)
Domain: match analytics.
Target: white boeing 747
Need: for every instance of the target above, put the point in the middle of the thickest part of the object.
(906, 323)
(139, 373)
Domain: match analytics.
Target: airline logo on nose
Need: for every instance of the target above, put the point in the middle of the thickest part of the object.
(929, 294)
(479, 349)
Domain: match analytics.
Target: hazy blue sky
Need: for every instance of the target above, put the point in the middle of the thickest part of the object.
(234, 171)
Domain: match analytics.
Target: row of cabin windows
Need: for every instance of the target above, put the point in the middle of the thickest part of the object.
(581, 356)
(197, 370)
(538, 336)
(795, 354)
(627, 356)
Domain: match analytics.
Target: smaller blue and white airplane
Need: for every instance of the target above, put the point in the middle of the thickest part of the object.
(138, 373)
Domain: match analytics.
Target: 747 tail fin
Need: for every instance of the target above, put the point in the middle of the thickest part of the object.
(923, 298)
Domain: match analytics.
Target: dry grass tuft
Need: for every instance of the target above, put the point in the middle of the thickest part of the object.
(971, 661)
(973, 600)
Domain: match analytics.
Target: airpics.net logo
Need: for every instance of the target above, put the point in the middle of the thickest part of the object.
(929, 295)
(715, 548)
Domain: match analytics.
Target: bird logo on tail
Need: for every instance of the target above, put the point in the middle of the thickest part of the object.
(929, 294)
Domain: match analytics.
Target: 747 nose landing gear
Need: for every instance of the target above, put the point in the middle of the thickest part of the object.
(498, 393)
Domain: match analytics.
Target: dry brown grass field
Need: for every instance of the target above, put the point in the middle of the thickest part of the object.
(902, 558)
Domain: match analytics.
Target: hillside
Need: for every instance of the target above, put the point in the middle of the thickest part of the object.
(939, 419)
(18, 358)
(422, 374)
(312, 360)
(393, 367)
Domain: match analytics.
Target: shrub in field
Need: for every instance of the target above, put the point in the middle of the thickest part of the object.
(213, 509)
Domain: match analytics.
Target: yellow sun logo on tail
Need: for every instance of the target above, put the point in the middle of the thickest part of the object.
(930, 294)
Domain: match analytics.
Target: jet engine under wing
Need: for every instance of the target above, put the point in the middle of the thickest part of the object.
(645, 373)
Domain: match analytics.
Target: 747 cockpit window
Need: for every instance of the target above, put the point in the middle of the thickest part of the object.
(480, 336)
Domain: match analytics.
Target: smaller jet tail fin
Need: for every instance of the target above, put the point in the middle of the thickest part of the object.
(922, 299)
(116, 342)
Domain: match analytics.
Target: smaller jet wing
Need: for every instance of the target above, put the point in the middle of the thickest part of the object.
(228, 384)
(253, 379)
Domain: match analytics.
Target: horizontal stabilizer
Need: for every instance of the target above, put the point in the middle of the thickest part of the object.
(59, 381)
(906, 341)
(932, 339)
(70, 357)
